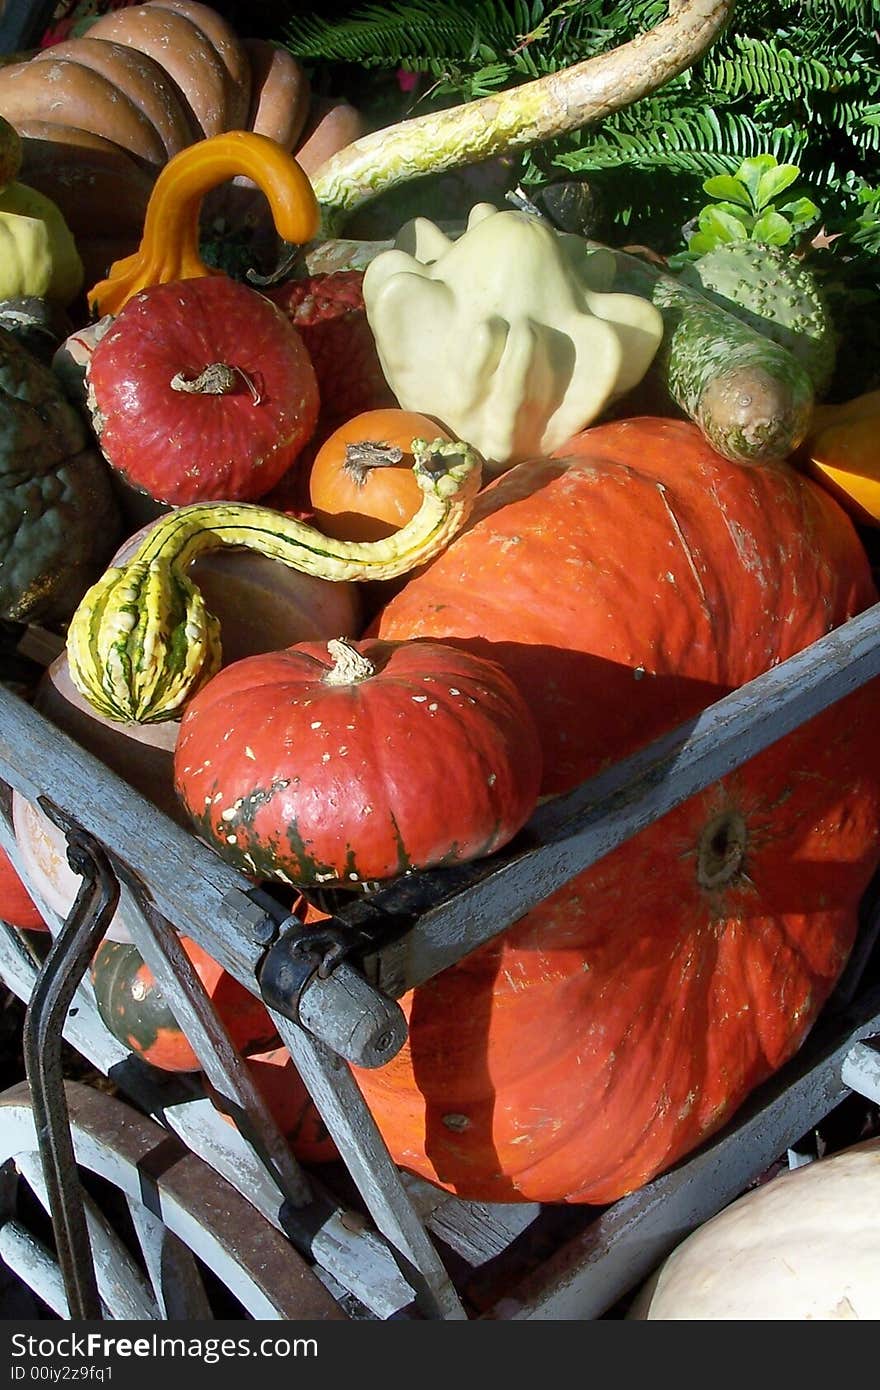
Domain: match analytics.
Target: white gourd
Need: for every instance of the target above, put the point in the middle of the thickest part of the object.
(802, 1247)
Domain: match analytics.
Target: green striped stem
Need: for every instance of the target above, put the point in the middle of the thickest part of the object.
(142, 642)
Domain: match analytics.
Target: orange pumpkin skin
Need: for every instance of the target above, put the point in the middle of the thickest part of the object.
(296, 767)
(354, 501)
(134, 1009)
(291, 1106)
(623, 1020)
(17, 907)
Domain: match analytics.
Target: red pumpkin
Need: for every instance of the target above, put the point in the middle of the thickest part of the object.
(17, 907)
(356, 761)
(624, 587)
(135, 1011)
(202, 390)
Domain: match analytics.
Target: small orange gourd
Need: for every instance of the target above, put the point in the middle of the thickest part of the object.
(362, 486)
(169, 248)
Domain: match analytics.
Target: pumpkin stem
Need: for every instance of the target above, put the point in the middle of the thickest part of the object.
(366, 454)
(218, 379)
(349, 666)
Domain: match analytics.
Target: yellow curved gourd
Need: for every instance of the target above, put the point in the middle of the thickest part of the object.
(169, 248)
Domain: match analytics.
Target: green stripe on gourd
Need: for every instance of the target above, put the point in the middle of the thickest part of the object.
(142, 643)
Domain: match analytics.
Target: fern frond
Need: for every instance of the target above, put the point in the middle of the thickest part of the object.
(764, 68)
(423, 34)
(700, 142)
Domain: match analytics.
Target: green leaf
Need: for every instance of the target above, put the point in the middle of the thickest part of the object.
(802, 212)
(774, 182)
(720, 225)
(773, 228)
(727, 187)
(741, 214)
(751, 171)
(700, 243)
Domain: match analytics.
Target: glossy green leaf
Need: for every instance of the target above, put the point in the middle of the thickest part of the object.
(774, 182)
(751, 171)
(773, 228)
(730, 189)
(801, 213)
(721, 225)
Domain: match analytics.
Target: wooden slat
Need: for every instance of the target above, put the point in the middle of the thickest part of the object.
(123, 1288)
(352, 1127)
(174, 1275)
(354, 1255)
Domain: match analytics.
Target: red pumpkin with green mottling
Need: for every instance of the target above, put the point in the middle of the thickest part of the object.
(625, 585)
(357, 761)
(134, 1009)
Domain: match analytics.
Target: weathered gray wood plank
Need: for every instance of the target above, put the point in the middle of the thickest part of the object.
(357, 1257)
(344, 1112)
(861, 1071)
(122, 1286)
(174, 1275)
(221, 1062)
(34, 1265)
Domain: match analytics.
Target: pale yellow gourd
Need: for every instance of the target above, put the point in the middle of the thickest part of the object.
(505, 335)
(38, 254)
(802, 1247)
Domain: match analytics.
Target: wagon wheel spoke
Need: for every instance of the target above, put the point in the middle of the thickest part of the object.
(174, 1273)
(207, 1251)
(35, 1266)
(124, 1289)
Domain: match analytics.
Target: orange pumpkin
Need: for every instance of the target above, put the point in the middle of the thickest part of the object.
(624, 587)
(361, 485)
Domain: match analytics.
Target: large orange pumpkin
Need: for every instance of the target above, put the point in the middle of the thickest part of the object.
(610, 1030)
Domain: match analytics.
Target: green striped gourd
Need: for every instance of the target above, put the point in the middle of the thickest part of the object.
(142, 642)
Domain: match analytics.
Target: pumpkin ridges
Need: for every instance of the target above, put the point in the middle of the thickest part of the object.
(79, 97)
(312, 783)
(650, 1074)
(185, 53)
(139, 79)
(620, 1022)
